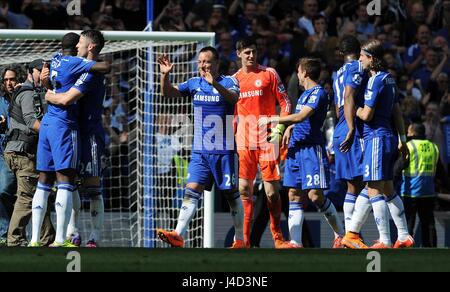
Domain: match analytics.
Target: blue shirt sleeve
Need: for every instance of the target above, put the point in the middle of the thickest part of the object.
(184, 87)
(314, 99)
(232, 84)
(84, 83)
(80, 65)
(353, 76)
(374, 87)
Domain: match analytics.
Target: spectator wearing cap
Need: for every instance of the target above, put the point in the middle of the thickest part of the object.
(20, 156)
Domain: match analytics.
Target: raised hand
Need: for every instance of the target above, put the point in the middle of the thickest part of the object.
(165, 66)
(208, 77)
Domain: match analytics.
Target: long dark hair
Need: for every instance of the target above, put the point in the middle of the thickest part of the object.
(16, 68)
(375, 49)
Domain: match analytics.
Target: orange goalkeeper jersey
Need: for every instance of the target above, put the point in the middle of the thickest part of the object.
(260, 91)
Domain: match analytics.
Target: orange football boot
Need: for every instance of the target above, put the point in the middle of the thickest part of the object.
(239, 244)
(171, 237)
(379, 245)
(353, 241)
(409, 242)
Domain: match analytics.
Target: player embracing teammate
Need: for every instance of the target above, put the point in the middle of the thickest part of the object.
(379, 111)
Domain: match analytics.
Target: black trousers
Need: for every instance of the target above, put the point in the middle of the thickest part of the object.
(425, 208)
(262, 217)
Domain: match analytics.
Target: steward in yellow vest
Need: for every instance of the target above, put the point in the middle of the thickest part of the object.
(418, 187)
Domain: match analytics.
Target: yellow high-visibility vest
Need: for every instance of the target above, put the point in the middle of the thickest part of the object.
(418, 176)
(423, 158)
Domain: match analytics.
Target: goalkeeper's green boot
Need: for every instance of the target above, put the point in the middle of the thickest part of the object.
(66, 243)
(35, 244)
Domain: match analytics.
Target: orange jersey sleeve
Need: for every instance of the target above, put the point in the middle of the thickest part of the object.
(280, 93)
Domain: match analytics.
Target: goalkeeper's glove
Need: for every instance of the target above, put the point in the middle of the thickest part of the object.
(276, 134)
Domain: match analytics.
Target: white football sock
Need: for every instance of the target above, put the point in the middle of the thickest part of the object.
(397, 210)
(237, 213)
(330, 214)
(295, 222)
(39, 208)
(381, 214)
(187, 211)
(361, 212)
(97, 209)
(73, 223)
(349, 207)
(63, 207)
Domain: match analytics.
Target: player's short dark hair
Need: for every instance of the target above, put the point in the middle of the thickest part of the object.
(245, 43)
(312, 67)
(96, 37)
(419, 130)
(213, 51)
(350, 45)
(69, 42)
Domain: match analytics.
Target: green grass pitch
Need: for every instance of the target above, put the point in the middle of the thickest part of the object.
(221, 260)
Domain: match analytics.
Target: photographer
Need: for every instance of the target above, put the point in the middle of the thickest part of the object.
(20, 155)
(10, 77)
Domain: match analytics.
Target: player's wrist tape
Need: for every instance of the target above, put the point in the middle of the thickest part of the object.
(403, 138)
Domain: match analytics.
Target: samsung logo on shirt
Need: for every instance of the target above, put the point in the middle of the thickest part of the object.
(251, 93)
(208, 98)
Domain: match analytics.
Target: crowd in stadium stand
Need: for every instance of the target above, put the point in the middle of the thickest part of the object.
(52, 14)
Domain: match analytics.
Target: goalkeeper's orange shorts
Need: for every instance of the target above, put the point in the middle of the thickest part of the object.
(267, 159)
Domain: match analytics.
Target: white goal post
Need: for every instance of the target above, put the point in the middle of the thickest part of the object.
(150, 138)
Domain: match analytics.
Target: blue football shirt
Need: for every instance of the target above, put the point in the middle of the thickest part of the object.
(351, 74)
(213, 115)
(91, 104)
(309, 131)
(64, 72)
(380, 94)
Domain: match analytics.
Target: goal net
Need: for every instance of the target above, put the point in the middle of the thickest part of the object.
(148, 137)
